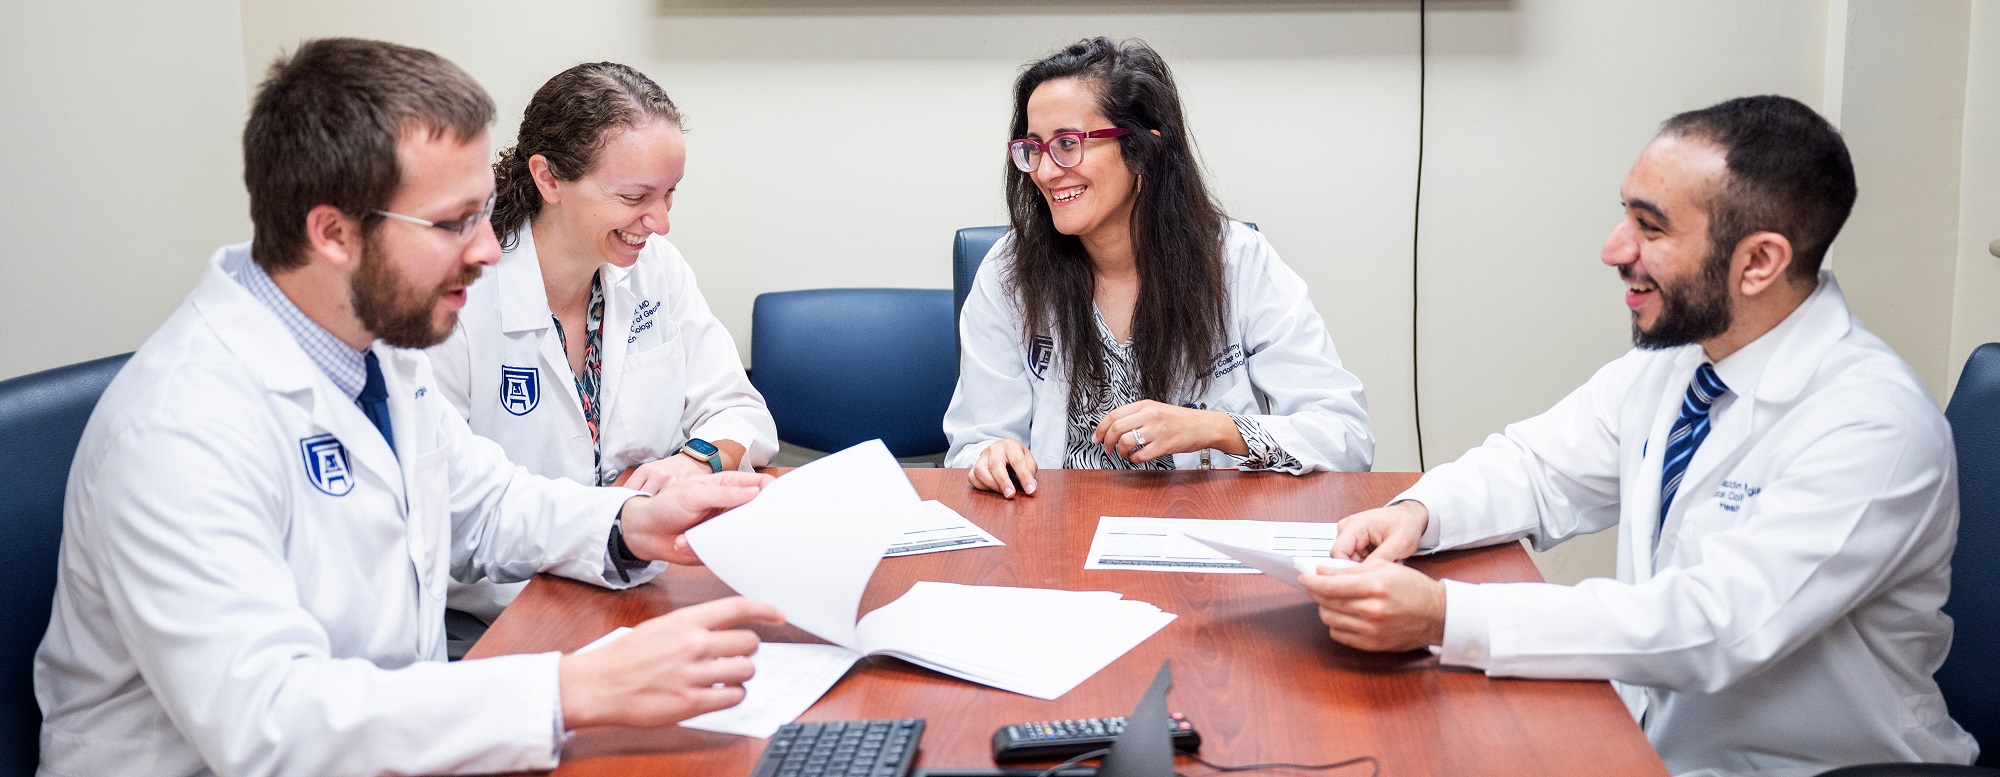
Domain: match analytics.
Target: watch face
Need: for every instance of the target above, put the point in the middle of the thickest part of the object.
(703, 447)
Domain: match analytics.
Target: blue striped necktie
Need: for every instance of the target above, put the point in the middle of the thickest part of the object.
(374, 401)
(1689, 430)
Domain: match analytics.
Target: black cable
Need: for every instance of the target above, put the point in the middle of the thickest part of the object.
(1374, 766)
(1073, 761)
(1416, 229)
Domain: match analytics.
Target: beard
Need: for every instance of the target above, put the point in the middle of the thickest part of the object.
(394, 312)
(1692, 310)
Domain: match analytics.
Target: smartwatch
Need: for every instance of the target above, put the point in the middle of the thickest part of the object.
(703, 451)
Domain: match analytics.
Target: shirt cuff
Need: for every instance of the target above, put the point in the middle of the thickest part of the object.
(1264, 450)
(1467, 637)
(1432, 533)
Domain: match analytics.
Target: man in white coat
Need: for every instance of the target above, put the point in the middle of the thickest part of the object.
(271, 498)
(1782, 483)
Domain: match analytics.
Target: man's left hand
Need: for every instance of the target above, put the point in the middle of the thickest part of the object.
(1379, 605)
(654, 526)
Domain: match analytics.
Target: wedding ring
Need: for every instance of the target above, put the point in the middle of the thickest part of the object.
(1141, 437)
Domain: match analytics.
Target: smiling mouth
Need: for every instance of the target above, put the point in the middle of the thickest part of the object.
(1068, 194)
(628, 238)
(1639, 287)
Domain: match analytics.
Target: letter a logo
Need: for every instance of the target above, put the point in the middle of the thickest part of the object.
(520, 389)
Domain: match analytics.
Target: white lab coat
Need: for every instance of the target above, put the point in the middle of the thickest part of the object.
(1790, 622)
(670, 372)
(1279, 369)
(221, 609)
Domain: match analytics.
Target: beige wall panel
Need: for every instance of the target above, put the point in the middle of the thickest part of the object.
(119, 131)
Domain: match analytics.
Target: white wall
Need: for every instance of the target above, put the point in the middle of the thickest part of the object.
(1899, 75)
(1976, 312)
(119, 127)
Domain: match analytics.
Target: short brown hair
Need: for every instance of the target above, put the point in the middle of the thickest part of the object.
(323, 131)
(566, 124)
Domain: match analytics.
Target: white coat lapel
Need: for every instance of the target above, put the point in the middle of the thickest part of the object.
(619, 301)
(524, 307)
(250, 330)
(1642, 491)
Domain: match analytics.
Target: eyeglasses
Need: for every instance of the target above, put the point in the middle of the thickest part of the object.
(462, 229)
(1064, 148)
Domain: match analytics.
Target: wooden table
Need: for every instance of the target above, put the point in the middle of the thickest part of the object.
(1253, 666)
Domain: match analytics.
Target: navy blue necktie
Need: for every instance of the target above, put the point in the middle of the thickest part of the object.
(1689, 430)
(375, 401)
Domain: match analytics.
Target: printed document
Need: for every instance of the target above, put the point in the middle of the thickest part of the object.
(935, 528)
(1163, 544)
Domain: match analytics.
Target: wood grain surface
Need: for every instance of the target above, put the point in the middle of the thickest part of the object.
(1253, 667)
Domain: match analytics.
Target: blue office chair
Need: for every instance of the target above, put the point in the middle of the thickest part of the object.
(1970, 676)
(41, 419)
(968, 249)
(843, 366)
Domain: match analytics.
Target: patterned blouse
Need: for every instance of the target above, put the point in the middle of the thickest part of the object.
(1121, 388)
(592, 375)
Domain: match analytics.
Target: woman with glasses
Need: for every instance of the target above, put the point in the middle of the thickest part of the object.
(588, 351)
(1124, 322)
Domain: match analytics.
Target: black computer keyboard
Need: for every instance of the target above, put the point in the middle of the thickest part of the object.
(841, 748)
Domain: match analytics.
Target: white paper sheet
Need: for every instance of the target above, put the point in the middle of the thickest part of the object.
(790, 677)
(1283, 567)
(1162, 545)
(935, 528)
(1034, 641)
(828, 523)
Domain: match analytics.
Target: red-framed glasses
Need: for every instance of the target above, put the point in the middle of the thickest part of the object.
(1064, 148)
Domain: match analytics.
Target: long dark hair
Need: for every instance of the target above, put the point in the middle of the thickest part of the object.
(566, 123)
(1180, 323)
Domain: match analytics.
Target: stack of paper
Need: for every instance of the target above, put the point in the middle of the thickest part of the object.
(812, 539)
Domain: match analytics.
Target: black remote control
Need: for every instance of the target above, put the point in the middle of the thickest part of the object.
(1058, 739)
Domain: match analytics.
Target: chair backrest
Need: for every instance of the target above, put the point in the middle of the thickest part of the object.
(41, 418)
(968, 249)
(1970, 676)
(843, 366)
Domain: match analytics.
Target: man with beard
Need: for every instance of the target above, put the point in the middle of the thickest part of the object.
(270, 500)
(1782, 483)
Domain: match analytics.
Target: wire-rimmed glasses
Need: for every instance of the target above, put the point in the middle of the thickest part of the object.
(461, 229)
(1064, 148)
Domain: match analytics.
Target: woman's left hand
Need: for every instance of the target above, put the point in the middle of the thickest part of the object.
(653, 476)
(1146, 430)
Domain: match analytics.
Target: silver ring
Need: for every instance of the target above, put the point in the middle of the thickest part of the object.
(1141, 437)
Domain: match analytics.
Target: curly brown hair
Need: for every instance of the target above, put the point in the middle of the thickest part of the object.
(566, 123)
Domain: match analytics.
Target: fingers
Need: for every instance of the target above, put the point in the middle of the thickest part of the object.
(731, 670)
(1023, 464)
(1337, 585)
(983, 474)
(717, 492)
(1111, 425)
(991, 472)
(726, 613)
(704, 700)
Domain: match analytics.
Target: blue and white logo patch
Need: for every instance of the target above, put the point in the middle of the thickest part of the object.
(327, 465)
(1041, 356)
(520, 389)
